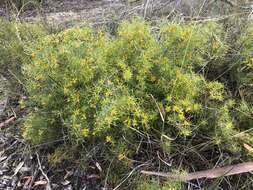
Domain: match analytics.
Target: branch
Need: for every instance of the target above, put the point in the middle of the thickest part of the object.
(210, 174)
(8, 121)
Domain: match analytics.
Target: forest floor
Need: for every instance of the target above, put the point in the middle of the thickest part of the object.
(62, 13)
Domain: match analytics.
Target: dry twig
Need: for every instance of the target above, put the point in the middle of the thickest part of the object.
(8, 121)
(48, 187)
(210, 174)
(136, 168)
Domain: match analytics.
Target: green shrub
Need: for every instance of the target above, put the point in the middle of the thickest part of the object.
(245, 84)
(190, 45)
(112, 86)
(15, 38)
(118, 90)
(246, 67)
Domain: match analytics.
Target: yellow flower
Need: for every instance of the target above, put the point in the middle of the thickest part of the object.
(77, 45)
(76, 112)
(181, 116)
(37, 62)
(216, 45)
(74, 125)
(127, 122)
(22, 104)
(109, 139)
(65, 90)
(62, 50)
(176, 108)
(135, 123)
(196, 107)
(185, 102)
(167, 108)
(85, 132)
(109, 82)
(76, 98)
(152, 78)
(186, 132)
(108, 93)
(108, 120)
(130, 100)
(121, 156)
(127, 75)
(39, 77)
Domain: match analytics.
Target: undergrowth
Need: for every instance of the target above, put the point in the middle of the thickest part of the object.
(138, 96)
(15, 39)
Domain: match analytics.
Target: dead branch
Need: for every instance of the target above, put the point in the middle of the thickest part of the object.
(210, 174)
(136, 168)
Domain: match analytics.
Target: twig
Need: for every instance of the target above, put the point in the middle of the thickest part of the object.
(33, 179)
(107, 173)
(136, 168)
(43, 173)
(14, 113)
(168, 164)
(210, 174)
(8, 121)
(178, 2)
(15, 76)
(146, 8)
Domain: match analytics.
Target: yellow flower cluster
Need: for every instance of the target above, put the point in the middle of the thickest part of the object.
(96, 86)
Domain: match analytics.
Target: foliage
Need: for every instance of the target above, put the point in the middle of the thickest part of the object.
(190, 45)
(246, 67)
(14, 41)
(245, 84)
(155, 185)
(111, 85)
(136, 86)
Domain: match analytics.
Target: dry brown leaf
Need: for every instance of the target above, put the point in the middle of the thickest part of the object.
(28, 180)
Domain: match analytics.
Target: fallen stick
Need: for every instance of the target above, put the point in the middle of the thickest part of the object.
(7, 121)
(48, 186)
(210, 173)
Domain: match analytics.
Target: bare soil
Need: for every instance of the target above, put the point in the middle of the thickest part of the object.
(60, 13)
(72, 12)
